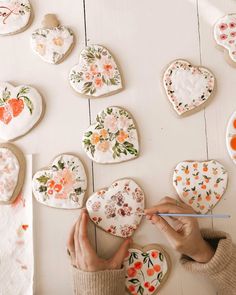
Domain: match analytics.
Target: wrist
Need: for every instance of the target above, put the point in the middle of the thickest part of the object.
(204, 253)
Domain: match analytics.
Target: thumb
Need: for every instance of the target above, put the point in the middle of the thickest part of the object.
(118, 259)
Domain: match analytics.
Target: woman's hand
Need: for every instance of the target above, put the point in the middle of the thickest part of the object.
(82, 253)
(184, 234)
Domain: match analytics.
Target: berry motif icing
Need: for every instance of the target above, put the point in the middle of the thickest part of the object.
(14, 16)
(147, 269)
(116, 209)
(20, 110)
(225, 34)
(187, 87)
(113, 138)
(96, 74)
(200, 184)
(63, 185)
(231, 137)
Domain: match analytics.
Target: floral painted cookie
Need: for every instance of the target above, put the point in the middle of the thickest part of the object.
(116, 209)
(113, 138)
(53, 42)
(231, 137)
(96, 74)
(225, 35)
(63, 185)
(187, 87)
(147, 269)
(12, 173)
(21, 108)
(200, 184)
(14, 16)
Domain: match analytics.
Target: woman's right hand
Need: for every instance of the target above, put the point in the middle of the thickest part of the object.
(185, 237)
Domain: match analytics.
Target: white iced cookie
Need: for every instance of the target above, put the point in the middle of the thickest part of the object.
(12, 173)
(186, 86)
(20, 109)
(116, 209)
(53, 42)
(147, 269)
(231, 137)
(96, 74)
(113, 138)
(225, 35)
(200, 184)
(63, 185)
(14, 16)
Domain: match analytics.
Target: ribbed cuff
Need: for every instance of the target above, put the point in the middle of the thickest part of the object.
(107, 282)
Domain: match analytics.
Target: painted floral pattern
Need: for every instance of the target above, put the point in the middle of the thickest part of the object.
(200, 84)
(52, 44)
(113, 138)
(117, 209)
(63, 185)
(146, 270)
(225, 34)
(96, 74)
(14, 16)
(200, 184)
(231, 137)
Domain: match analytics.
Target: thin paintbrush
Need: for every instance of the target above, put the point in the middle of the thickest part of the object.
(188, 215)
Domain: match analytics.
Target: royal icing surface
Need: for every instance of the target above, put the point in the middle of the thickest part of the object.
(52, 44)
(63, 185)
(113, 138)
(116, 209)
(186, 86)
(200, 184)
(20, 110)
(96, 74)
(225, 34)
(14, 16)
(231, 137)
(9, 171)
(145, 270)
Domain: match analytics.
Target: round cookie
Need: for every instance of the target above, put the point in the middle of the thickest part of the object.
(231, 137)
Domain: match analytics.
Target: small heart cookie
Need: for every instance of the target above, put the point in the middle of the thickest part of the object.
(21, 108)
(53, 42)
(200, 184)
(225, 35)
(113, 138)
(187, 87)
(147, 269)
(14, 16)
(116, 209)
(96, 74)
(12, 173)
(231, 137)
(63, 185)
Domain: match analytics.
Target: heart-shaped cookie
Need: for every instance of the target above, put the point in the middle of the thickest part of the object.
(113, 138)
(20, 109)
(12, 172)
(200, 184)
(231, 137)
(225, 35)
(147, 269)
(96, 74)
(116, 209)
(14, 16)
(53, 42)
(63, 185)
(187, 87)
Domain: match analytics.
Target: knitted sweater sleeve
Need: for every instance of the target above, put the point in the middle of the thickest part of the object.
(221, 269)
(107, 282)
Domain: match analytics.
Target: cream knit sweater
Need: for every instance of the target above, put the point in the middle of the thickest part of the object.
(221, 270)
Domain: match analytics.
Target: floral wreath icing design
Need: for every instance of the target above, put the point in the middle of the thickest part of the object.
(63, 185)
(20, 109)
(113, 138)
(200, 184)
(52, 43)
(225, 34)
(187, 87)
(97, 73)
(147, 269)
(14, 16)
(116, 209)
(231, 137)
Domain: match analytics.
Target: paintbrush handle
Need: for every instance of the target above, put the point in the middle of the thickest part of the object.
(194, 215)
